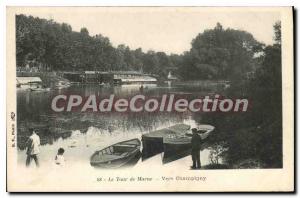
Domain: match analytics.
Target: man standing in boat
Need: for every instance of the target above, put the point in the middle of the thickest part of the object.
(196, 145)
(33, 150)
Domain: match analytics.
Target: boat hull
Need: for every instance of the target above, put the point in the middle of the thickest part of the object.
(118, 155)
(177, 147)
(174, 152)
(119, 163)
(153, 142)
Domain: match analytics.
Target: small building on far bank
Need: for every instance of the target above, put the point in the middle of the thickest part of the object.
(117, 77)
(29, 82)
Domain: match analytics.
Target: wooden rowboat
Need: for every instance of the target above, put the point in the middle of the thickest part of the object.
(117, 155)
(178, 146)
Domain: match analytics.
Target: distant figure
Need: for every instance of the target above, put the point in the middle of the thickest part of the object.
(142, 88)
(33, 150)
(59, 158)
(196, 145)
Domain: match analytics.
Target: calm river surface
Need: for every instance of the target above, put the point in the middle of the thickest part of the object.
(88, 130)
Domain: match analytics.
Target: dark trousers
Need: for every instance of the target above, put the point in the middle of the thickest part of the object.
(34, 157)
(196, 158)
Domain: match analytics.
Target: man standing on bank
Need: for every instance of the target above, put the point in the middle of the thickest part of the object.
(196, 145)
(33, 150)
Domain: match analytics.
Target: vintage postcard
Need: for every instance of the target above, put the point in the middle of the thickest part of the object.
(150, 99)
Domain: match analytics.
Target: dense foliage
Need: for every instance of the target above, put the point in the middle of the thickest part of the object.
(257, 133)
(215, 53)
(221, 54)
(53, 46)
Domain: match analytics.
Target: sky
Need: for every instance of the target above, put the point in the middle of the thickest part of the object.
(168, 29)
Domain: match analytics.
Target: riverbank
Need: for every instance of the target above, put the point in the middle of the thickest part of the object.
(49, 79)
(80, 146)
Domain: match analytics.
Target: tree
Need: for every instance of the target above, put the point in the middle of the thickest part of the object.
(221, 54)
(277, 30)
(264, 120)
(215, 54)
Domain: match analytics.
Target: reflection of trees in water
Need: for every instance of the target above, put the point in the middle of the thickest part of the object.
(53, 127)
(130, 121)
(33, 110)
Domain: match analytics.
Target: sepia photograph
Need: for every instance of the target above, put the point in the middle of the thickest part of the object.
(150, 99)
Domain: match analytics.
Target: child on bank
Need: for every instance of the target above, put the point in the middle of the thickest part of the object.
(59, 158)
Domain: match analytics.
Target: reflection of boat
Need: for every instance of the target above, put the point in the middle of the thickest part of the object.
(117, 155)
(104, 84)
(39, 89)
(178, 146)
(62, 85)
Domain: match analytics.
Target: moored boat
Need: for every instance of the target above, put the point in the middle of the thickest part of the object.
(153, 141)
(117, 155)
(177, 146)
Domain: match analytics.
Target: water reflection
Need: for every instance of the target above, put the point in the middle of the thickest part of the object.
(34, 111)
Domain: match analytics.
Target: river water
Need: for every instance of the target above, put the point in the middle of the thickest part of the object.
(80, 134)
